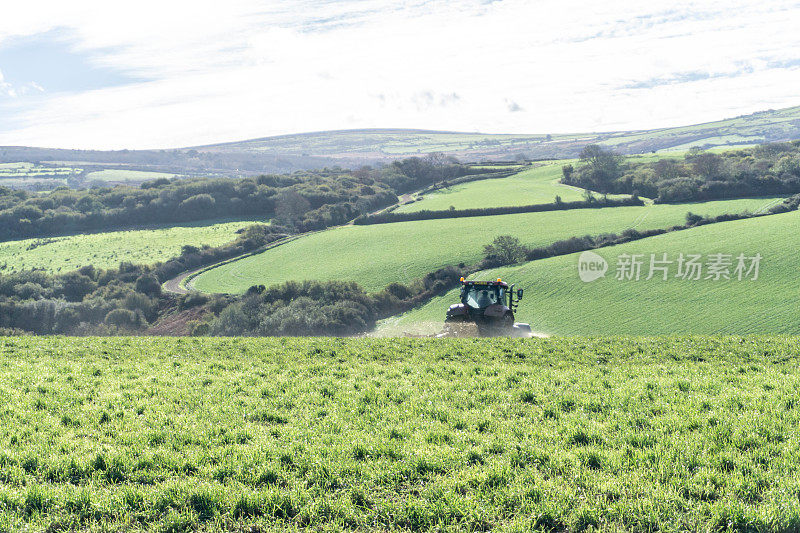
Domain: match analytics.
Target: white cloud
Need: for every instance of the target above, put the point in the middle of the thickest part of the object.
(9, 90)
(5, 88)
(241, 69)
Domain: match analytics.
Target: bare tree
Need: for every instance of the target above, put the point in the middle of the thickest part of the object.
(290, 207)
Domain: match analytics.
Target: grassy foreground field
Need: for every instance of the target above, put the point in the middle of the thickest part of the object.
(380, 254)
(456, 435)
(557, 302)
(106, 250)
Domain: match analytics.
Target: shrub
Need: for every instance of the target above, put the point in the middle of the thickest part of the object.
(148, 284)
(193, 299)
(198, 329)
(693, 219)
(123, 318)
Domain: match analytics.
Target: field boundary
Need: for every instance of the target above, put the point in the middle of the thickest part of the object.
(392, 217)
(181, 284)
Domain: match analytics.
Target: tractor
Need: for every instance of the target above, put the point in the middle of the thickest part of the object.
(488, 306)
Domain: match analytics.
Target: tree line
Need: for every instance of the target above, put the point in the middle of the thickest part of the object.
(558, 205)
(768, 169)
(129, 300)
(302, 201)
(307, 201)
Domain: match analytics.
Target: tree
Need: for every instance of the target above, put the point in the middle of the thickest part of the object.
(567, 170)
(603, 165)
(290, 207)
(440, 160)
(599, 158)
(707, 165)
(667, 169)
(75, 286)
(198, 206)
(505, 250)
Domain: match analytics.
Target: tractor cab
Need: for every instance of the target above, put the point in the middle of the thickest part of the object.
(480, 295)
(488, 304)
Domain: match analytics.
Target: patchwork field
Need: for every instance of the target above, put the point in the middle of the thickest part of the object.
(556, 301)
(30, 170)
(636, 434)
(538, 185)
(28, 175)
(379, 254)
(105, 250)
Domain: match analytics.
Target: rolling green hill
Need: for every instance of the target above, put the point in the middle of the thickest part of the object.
(557, 302)
(106, 250)
(379, 254)
(617, 434)
(750, 129)
(537, 185)
(353, 148)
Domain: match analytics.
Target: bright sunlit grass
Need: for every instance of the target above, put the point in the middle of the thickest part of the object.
(471, 434)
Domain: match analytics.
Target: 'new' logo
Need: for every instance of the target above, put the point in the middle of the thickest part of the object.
(591, 267)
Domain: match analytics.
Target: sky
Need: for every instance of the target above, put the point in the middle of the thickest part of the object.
(172, 73)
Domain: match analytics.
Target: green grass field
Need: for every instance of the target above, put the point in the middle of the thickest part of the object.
(379, 254)
(635, 434)
(537, 185)
(106, 250)
(557, 302)
(116, 175)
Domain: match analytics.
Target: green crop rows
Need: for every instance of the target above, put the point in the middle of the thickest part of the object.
(556, 301)
(380, 254)
(674, 434)
(106, 250)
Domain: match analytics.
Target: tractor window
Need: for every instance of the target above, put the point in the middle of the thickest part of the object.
(479, 296)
